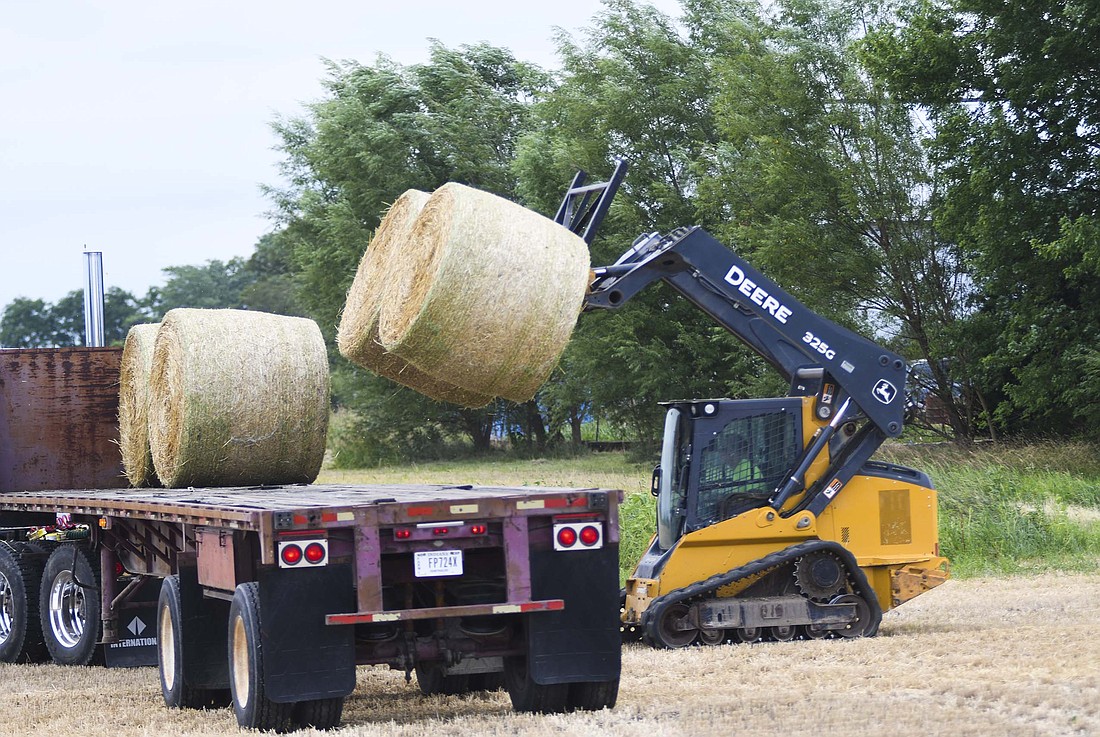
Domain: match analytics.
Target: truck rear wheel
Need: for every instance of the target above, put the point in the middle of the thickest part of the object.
(20, 629)
(246, 667)
(593, 696)
(432, 680)
(177, 693)
(529, 696)
(69, 605)
(318, 713)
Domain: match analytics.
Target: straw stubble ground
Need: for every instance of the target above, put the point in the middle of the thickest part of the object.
(1013, 656)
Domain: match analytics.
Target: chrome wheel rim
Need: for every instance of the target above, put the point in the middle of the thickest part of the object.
(166, 642)
(240, 663)
(68, 609)
(7, 609)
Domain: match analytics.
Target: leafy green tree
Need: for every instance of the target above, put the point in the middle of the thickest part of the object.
(214, 285)
(28, 323)
(765, 127)
(1011, 91)
(821, 176)
(633, 88)
(274, 285)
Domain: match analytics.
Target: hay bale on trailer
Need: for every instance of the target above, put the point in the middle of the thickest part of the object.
(237, 398)
(133, 405)
(487, 293)
(357, 337)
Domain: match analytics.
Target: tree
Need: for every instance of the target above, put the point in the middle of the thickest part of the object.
(1010, 90)
(821, 176)
(28, 323)
(633, 88)
(214, 285)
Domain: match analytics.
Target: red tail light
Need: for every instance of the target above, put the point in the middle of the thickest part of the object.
(300, 553)
(478, 529)
(402, 533)
(315, 553)
(291, 555)
(568, 534)
(567, 537)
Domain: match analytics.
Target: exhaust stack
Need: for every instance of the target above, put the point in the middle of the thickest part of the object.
(93, 299)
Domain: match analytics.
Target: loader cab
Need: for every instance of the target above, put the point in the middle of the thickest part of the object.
(720, 458)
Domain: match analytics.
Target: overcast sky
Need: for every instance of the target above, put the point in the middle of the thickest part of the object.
(142, 129)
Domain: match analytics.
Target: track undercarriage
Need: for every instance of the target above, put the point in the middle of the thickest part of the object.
(812, 590)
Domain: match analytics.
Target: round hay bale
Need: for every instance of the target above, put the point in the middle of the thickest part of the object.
(487, 295)
(357, 336)
(237, 398)
(133, 405)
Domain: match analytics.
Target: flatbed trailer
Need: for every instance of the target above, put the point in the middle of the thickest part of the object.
(268, 597)
(274, 594)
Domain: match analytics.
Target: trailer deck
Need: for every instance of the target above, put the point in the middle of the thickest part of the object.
(246, 508)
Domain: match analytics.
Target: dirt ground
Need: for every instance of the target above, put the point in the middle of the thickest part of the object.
(1016, 656)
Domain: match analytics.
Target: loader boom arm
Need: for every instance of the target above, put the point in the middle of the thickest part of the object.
(807, 349)
(850, 376)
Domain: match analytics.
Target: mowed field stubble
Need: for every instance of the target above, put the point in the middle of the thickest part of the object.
(1007, 655)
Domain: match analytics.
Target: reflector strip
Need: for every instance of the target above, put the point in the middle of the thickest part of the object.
(472, 610)
(345, 516)
(328, 516)
(464, 509)
(532, 504)
(556, 502)
(301, 519)
(420, 511)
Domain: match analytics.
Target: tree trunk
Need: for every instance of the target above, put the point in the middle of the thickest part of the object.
(479, 426)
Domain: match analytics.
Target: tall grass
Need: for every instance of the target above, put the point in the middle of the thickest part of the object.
(1011, 508)
(1004, 508)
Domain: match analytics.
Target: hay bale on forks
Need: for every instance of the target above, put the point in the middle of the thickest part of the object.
(487, 295)
(133, 405)
(357, 337)
(238, 398)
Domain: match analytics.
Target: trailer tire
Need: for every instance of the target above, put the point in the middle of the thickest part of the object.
(20, 627)
(593, 695)
(319, 713)
(246, 666)
(528, 696)
(431, 680)
(170, 633)
(487, 681)
(69, 605)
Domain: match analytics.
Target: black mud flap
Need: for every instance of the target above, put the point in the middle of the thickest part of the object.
(305, 659)
(205, 640)
(582, 642)
(137, 642)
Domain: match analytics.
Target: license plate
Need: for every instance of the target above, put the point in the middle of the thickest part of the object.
(429, 563)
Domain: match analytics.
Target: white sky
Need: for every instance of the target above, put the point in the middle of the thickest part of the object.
(142, 129)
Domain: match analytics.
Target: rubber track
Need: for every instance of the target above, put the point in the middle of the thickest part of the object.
(700, 589)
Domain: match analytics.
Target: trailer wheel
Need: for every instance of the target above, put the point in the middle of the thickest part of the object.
(593, 695)
(246, 667)
(318, 713)
(170, 634)
(20, 628)
(527, 695)
(432, 680)
(487, 681)
(69, 605)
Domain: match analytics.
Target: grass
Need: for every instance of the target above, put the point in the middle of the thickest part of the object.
(1004, 508)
